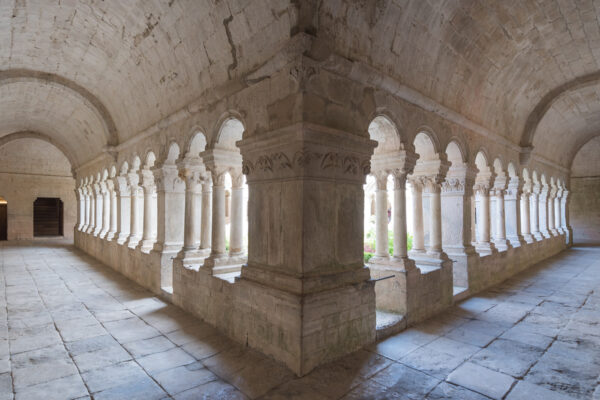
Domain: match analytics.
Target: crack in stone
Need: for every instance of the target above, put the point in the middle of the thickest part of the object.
(234, 63)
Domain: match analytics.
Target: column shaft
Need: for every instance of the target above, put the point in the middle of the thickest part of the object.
(399, 209)
(237, 221)
(418, 239)
(206, 229)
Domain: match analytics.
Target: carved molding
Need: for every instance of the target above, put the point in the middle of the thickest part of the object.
(454, 185)
(274, 162)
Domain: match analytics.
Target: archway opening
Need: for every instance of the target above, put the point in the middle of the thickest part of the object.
(3, 219)
(47, 217)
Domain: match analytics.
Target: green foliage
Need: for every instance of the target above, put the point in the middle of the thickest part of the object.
(369, 246)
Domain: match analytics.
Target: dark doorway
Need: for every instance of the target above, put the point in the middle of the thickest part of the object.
(3, 219)
(47, 217)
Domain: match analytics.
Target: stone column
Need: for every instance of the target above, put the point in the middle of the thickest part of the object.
(543, 210)
(484, 245)
(206, 228)
(565, 217)
(381, 219)
(399, 217)
(557, 217)
(525, 219)
(305, 255)
(81, 208)
(170, 219)
(105, 209)
(433, 188)
(98, 209)
(149, 190)
(418, 234)
(93, 207)
(193, 208)
(124, 209)
(535, 213)
(512, 199)
(236, 234)
(550, 207)
(113, 225)
(86, 218)
(137, 199)
(218, 254)
(500, 240)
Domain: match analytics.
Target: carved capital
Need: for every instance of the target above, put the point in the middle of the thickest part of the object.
(307, 151)
(482, 189)
(167, 179)
(454, 185)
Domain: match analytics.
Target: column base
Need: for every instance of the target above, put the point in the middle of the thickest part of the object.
(384, 260)
(485, 248)
(215, 260)
(537, 236)
(192, 256)
(554, 232)
(146, 245)
(502, 244)
(102, 235)
(528, 237)
(110, 236)
(133, 242)
(546, 234)
(122, 238)
(393, 264)
(516, 241)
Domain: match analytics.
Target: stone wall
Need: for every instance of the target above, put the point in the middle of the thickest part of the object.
(31, 168)
(584, 205)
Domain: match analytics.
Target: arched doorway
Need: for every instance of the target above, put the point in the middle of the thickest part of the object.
(47, 217)
(3, 219)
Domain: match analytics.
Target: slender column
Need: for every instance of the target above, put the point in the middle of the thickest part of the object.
(484, 245)
(381, 217)
(565, 217)
(236, 237)
(149, 190)
(456, 197)
(525, 219)
(86, 216)
(99, 208)
(170, 209)
(535, 213)
(92, 224)
(206, 229)
(81, 208)
(551, 197)
(418, 239)
(124, 209)
(113, 209)
(105, 210)
(435, 217)
(499, 219)
(512, 199)
(135, 230)
(218, 251)
(543, 210)
(557, 217)
(400, 234)
(193, 205)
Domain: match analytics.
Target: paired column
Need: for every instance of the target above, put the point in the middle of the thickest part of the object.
(81, 207)
(565, 217)
(93, 208)
(500, 240)
(149, 225)
(551, 197)
(512, 200)
(543, 210)
(113, 209)
(399, 217)
(557, 217)
(381, 218)
(218, 253)
(193, 209)
(137, 199)
(525, 217)
(433, 189)
(418, 231)
(124, 208)
(484, 245)
(236, 233)
(535, 213)
(105, 209)
(87, 205)
(206, 228)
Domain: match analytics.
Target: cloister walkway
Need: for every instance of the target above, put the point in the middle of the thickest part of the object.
(72, 328)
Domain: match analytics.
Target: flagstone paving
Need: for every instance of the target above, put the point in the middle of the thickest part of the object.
(71, 328)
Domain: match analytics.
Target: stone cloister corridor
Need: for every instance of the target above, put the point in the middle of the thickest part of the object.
(71, 327)
(299, 199)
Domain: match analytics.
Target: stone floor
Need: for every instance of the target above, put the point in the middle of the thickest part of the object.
(71, 328)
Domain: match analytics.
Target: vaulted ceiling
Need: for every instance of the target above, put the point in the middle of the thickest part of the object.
(94, 73)
(499, 63)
